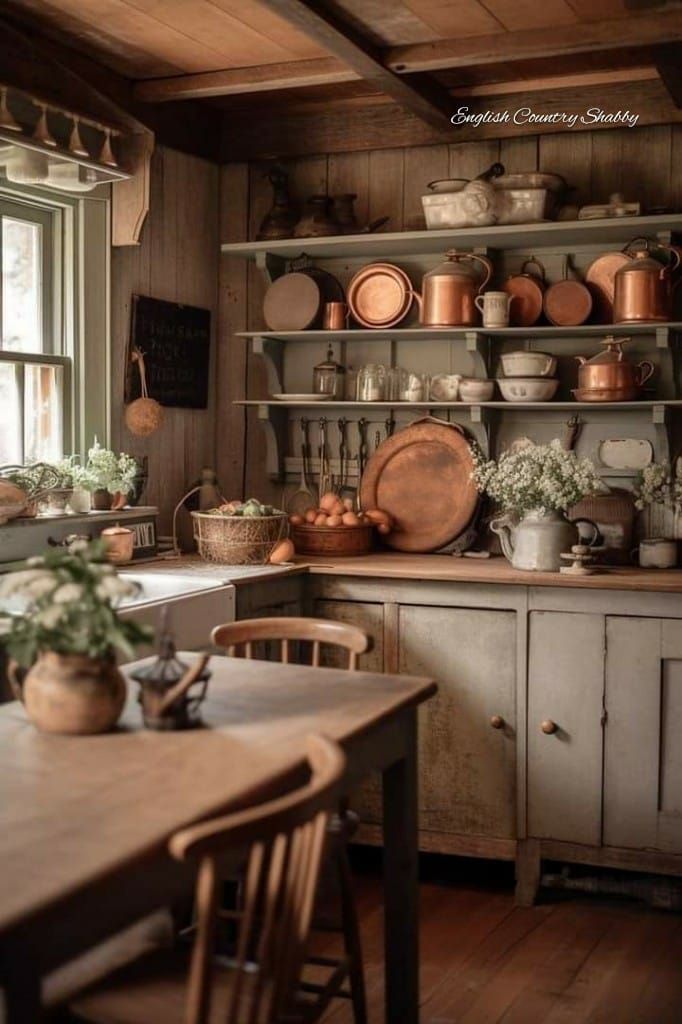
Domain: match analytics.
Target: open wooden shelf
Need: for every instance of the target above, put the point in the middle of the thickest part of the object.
(566, 234)
(661, 330)
(642, 405)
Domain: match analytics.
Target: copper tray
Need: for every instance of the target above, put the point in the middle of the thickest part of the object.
(422, 477)
(567, 303)
(600, 279)
(528, 291)
(380, 295)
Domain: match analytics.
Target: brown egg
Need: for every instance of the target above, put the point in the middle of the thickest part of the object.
(335, 520)
(311, 515)
(350, 519)
(296, 520)
(383, 528)
(283, 552)
(321, 519)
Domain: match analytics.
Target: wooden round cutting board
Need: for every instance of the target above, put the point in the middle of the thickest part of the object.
(422, 477)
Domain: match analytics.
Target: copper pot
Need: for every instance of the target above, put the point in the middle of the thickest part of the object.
(449, 291)
(609, 372)
(642, 288)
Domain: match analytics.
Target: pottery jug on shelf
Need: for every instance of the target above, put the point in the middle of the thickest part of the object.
(537, 542)
(449, 290)
(643, 286)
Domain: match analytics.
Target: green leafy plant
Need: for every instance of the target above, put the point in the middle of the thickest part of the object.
(107, 471)
(65, 601)
(536, 478)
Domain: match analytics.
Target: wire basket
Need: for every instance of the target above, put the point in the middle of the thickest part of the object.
(237, 540)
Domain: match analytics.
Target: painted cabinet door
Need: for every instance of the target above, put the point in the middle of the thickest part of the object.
(643, 754)
(368, 616)
(566, 690)
(467, 780)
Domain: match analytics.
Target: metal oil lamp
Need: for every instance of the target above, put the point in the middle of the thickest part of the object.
(165, 684)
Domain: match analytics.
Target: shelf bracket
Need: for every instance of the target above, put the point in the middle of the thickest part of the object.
(662, 337)
(480, 426)
(659, 418)
(477, 344)
(271, 351)
(270, 266)
(275, 423)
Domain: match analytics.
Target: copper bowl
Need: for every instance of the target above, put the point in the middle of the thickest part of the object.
(340, 541)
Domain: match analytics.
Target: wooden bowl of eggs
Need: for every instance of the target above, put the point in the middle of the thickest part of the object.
(335, 528)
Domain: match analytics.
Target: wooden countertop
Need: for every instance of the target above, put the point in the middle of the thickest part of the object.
(491, 570)
(392, 565)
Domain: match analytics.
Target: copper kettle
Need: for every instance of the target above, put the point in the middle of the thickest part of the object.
(449, 291)
(642, 287)
(611, 375)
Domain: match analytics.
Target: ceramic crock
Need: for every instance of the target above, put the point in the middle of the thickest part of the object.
(538, 540)
(71, 694)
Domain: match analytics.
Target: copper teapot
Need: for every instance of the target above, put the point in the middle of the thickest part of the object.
(449, 291)
(609, 372)
(642, 286)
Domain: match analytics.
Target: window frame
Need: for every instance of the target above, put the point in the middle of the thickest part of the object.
(78, 320)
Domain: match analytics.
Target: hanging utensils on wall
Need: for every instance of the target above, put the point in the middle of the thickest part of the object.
(303, 498)
(324, 478)
(343, 488)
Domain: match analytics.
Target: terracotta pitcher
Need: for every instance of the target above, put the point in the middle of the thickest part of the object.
(71, 694)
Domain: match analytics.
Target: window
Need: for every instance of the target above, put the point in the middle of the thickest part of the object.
(54, 329)
(35, 364)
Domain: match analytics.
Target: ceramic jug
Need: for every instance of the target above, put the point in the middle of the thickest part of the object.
(537, 542)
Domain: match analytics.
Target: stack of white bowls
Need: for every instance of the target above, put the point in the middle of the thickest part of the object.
(528, 377)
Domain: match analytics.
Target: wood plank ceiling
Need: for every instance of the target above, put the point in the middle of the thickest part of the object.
(248, 56)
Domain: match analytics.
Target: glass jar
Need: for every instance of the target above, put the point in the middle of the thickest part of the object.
(328, 377)
(372, 383)
(415, 387)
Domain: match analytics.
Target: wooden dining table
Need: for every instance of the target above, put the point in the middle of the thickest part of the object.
(86, 819)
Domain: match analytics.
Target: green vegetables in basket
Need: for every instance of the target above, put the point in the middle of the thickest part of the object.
(251, 509)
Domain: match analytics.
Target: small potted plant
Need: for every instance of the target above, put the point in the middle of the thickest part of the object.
(109, 477)
(59, 621)
(533, 486)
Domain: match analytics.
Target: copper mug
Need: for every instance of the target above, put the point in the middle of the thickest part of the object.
(335, 316)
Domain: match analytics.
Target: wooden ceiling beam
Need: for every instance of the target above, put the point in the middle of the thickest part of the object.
(648, 29)
(295, 74)
(669, 66)
(427, 100)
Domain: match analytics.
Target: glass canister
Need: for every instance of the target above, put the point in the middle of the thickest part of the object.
(415, 387)
(328, 377)
(372, 383)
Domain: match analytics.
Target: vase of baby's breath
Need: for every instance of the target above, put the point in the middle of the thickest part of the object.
(532, 488)
(60, 627)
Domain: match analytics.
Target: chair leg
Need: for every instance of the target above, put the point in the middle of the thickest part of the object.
(351, 938)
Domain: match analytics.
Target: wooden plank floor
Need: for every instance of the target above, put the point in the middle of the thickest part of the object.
(566, 961)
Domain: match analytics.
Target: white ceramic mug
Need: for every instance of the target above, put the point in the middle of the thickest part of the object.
(494, 308)
(657, 553)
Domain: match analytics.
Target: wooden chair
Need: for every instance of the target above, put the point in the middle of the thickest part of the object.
(260, 983)
(242, 638)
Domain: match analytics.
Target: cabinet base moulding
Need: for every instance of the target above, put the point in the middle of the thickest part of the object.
(485, 847)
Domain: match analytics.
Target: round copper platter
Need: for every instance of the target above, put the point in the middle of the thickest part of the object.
(380, 295)
(422, 477)
(528, 292)
(567, 303)
(294, 301)
(600, 279)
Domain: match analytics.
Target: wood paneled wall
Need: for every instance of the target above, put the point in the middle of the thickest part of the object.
(643, 163)
(177, 260)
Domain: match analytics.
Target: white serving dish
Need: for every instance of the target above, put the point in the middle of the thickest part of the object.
(528, 364)
(473, 389)
(523, 205)
(445, 210)
(527, 389)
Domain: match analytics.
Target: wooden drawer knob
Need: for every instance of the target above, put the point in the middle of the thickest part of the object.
(548, 726)
(497, 722)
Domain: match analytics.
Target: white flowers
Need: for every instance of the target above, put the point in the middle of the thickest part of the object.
(49, 617)
(658, 486)
(68, 593)
(539, 478)
(27, 582)
(113, 588)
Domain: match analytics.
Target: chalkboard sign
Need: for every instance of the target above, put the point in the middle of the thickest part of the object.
(175, 341)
